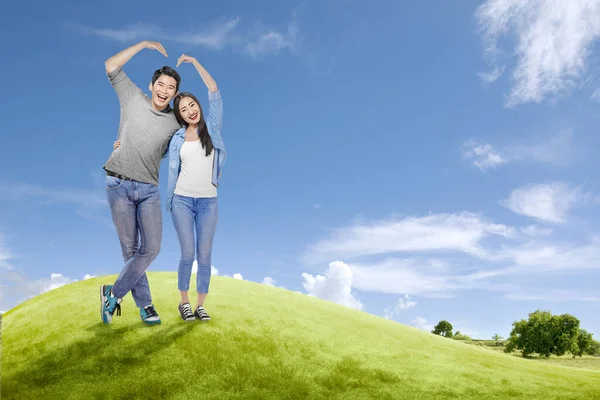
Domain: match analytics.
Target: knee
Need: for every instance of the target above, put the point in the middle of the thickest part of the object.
(151, 251)
(204, 258)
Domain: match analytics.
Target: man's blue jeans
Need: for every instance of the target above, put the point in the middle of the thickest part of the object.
(195, 217)
(137, 215)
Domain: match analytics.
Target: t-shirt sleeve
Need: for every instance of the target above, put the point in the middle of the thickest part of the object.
(124, 87)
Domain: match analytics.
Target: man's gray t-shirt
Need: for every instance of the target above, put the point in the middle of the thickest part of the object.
(144, 132)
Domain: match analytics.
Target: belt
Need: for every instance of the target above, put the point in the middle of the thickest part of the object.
(109, 173)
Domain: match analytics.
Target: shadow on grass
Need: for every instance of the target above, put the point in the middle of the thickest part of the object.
(98, 358)
(117, 362)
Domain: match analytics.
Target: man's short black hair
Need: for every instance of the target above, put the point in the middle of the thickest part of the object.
(166, 70)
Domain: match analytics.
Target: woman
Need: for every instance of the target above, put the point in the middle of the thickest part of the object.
(196, 156)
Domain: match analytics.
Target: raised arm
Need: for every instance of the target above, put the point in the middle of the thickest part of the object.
(208, 80)
(120, 59)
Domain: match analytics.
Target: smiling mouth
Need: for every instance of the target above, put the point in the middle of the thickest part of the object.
(161, 98)
(194, 116)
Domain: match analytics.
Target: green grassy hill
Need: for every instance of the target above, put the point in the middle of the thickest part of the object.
(263, 343)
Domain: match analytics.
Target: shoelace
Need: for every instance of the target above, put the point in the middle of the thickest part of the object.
(201, 312)
(187, 311)
(151, 312)
(117, 307)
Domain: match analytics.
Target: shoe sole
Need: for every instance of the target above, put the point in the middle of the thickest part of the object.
(102, 301)
(152, 322)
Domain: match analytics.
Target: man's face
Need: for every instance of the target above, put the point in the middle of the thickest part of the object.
(163, 91)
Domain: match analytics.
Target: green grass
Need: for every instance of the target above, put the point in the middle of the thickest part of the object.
(263, 343)
(585, 362)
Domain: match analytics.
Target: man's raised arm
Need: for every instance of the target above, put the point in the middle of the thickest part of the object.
(118, 60)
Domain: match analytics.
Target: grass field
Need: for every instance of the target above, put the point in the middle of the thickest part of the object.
(585, 362)
(263, 343)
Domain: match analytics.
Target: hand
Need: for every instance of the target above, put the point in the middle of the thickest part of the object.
(155, 46)
(116, 144)
(185, 58)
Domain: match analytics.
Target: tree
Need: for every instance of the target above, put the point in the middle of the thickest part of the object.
(584, 343)
(461, 336)
(594, 348)
(544, 334)
(497, 339)
(565, 331)
(443, 328)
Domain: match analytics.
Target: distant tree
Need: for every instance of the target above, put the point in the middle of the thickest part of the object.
(497, 337)
(443, 328)
(461, 336)
(584, 343)
(544, 334)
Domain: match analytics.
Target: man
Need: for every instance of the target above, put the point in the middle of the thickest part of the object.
(147, 124)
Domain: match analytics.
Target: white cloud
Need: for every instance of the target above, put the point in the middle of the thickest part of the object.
(553, 43)
(16, 287)
(5, 255)
(399, 276)
(88, 276)
(214, 35)
(535, 231)
(273, 42)
(483, 156)
(493, 75)
(460, 232)
(268, 281)
(549, 202)
(596, 95)
(334, 286)
(238, 277)
(404, 303)
(440, 255)
(421, 323)
(81, 197)
(317, 206)
(556, 149)
(90, 204)
(543, 256)
(217, 35)
(213, 270)
(553, 297)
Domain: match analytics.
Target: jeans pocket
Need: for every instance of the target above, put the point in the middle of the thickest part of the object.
(112, 182)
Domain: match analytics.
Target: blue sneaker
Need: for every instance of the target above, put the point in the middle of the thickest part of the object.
(149, 315)
(108, 304)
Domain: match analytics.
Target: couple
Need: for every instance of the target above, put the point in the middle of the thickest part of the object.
(150, 130)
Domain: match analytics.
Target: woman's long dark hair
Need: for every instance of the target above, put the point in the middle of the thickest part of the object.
(202, 129)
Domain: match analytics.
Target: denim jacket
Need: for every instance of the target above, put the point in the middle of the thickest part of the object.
(214, 123)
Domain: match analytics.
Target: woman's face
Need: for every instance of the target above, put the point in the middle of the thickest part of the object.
(189, 110)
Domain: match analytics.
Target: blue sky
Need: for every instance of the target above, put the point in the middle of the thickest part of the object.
(416, 160)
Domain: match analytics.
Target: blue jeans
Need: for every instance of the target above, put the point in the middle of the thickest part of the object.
(137, 215)
(195, 215)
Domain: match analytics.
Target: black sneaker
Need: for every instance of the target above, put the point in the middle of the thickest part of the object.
(201, 314)
(186, 313)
